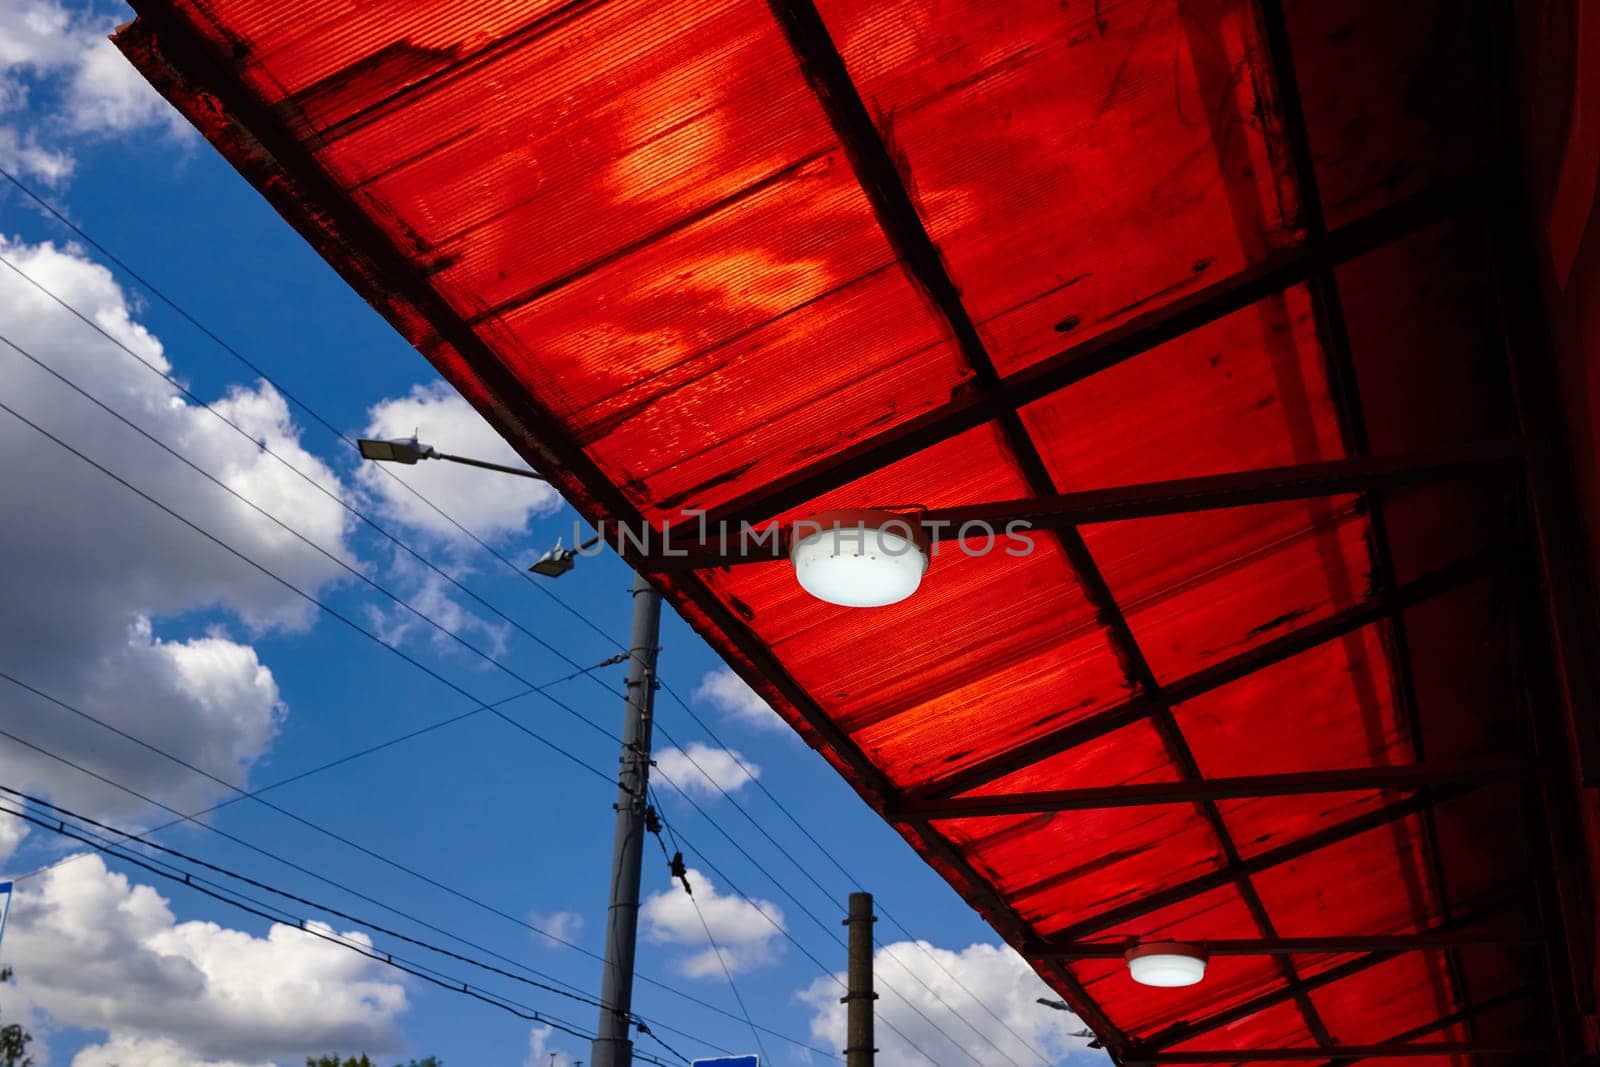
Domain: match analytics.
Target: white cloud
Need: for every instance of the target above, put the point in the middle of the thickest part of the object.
(429, 593)
(94, 950)
(488, 503)
(123, 1051)
(728, 693)
(22, 154)
(61, 77)
(748, 932)
(1009, 988)
(12, 831)
(93, 571)
(559, 925)
(539, 1052)
(706, 771)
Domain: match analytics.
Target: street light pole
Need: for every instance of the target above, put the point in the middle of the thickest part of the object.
(612, 1046)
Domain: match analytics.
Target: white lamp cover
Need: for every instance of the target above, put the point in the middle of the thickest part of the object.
(1167, 965)
(859, 559)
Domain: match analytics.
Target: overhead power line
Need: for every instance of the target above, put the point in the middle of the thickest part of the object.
(244, 904)
(827, 971)
(332, 557)
(181, 817)
(806, 872)
(229, 873)
(654, 823)
(400, 543)
(808, 913)
(296, 590)
(318, 603)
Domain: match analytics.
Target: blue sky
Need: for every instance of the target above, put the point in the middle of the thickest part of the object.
(123, 613)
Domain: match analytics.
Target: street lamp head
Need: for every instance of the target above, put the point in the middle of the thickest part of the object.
(556, 562)
(398, 450)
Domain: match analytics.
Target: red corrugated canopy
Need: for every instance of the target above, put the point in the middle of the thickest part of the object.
(765, 259)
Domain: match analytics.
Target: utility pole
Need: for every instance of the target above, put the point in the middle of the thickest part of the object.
(860, 1046)
(612, 1046)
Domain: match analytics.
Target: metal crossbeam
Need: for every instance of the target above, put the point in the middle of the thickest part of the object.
(1267, 654)
(1396, 1051)
(1198, 790)
(1267, 485)
(1188, 1030)
(1285, 853)
(1141, 334)
(1052, 949)
(1467, 1015)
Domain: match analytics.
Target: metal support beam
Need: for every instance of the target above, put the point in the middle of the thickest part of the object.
(1268, 485)
(1466, 1015)
(1198, 790)
(1293, 946)
(1397, 1051)
(1187, 1030)
(1241, 489)
(1102, 352)
(1293, 850)
(1267, 654)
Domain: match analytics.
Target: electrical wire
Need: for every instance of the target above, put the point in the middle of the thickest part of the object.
(827, 971)
(336, 614)
(308, 597)
(329, 765)
(380, 588)
(195, 861)
(332, 557)
(806, 872)
(244, 904)
(360, 575)
(292, 398)
(716, 949)
(181, 817)
(575, 613)
(808, 913)
(257, 370)
(307, 871)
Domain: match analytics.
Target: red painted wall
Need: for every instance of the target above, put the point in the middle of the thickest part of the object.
(1560, 120)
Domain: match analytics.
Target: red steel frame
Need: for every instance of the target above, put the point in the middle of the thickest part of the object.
(189, 69)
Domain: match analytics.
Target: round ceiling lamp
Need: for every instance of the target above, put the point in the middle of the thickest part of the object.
(1167, 964)
(861, 558)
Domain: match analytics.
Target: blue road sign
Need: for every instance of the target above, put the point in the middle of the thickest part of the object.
(5, 905)
(729, 1061)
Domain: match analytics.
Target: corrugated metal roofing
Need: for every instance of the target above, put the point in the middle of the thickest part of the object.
(768, 259)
